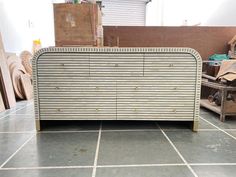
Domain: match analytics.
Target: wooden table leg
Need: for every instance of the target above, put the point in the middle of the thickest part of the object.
(223, 100)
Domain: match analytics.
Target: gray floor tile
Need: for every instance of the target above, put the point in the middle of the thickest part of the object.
(205, 125)
(57, 149)
(12, 110)
(204, 147)
(16, 123)
(230, 122)
(175, 171)
(215, 171)
(4, 113)
(175, 124)
(27, 110)
(135, 148)
(47, 173)
(232, 133)
(9, 143)
(204, 111)
(124, 125)
(70, 125)
(183, 125)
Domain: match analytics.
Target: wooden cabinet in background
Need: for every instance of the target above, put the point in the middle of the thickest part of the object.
(78, 25)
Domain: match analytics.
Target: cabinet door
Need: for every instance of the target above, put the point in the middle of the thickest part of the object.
(116, 65)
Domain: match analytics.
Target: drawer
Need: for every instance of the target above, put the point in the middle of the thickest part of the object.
(80, 113)
(81, 89)
(152, 110)
(137, 90)
(159, 116)
(77, 117)
(116, 65)
(63, 65)
(169, 65)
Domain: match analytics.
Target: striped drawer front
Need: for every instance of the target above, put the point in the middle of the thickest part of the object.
(76, 98)
(116, 65)
(178, 65)
(142, 99)
(57, 66)
(117, 83)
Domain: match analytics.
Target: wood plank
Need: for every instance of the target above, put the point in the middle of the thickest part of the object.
(1, 43)
(2, 106)
(206, 40)
(27, 86)
(6, 82)
(206, 104)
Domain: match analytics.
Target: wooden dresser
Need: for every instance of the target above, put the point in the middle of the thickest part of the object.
(117, 84)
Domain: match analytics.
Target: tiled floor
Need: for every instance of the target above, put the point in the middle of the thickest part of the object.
(115, 148)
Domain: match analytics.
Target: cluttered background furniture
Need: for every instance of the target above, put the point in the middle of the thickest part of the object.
(226, 105)
(117, 84)
(219, 83)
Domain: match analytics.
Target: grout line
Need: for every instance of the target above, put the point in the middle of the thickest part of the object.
(212, 164)
(97, 151)
(207, 130)
(229, 129)
(72, 131)
(39, 168)
(9, 158)
(141, 165)
(131, 130)
(22, 114)
(20, 132)
(218, 128)
(10, 113)
(120, 166)
(180, 155)
(95, 131)
(184, 130)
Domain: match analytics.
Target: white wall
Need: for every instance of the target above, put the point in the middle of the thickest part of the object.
(224, 14)
(154, 13)
(191, 12)
(22, 21)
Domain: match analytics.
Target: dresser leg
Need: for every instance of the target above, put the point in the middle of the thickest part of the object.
(37, 123)
(195, 125)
